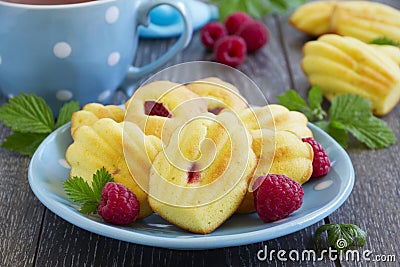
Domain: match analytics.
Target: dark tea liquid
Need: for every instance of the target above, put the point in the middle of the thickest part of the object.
(46, 2)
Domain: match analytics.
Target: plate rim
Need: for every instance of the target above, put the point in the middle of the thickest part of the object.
(200, 241)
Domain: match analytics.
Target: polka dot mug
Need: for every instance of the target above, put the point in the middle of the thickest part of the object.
(78, 51)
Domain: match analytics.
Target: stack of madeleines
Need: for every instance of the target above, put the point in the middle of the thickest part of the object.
(342, 59)
(190, 152)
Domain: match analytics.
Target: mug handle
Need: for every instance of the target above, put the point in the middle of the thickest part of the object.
(134, 73)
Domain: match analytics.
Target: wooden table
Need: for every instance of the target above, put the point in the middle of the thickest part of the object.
(31, 235)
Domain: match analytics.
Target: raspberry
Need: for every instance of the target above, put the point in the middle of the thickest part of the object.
(153, 108)
(211, 32)
(321, 162)
(235, 20)
(276, 197)
(255, 34)
(118, 204)
(230, 50)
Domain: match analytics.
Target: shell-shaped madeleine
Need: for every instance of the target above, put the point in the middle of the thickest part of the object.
(391, 51)
(313, 18)
(218, 94)
(161, 106)
(276, 117)
(346, 65)
(106, 143)
(201, 177)
(366, 20)
(281, 152)
(92, 112)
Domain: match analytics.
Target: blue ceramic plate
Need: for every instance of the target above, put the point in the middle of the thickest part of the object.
(48, 170)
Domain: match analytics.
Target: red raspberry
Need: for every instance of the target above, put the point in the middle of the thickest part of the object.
(235, 20)
(118, 204)
(277, 196)
(153, 108)
(230, 50)
(321, 162)
(255, 34)
(211, 32)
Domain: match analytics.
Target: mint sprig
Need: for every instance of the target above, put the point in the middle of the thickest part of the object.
(255, 8)
(348, 113)
(342, 236)
(31, 120)
(293, 101)
(79, 190)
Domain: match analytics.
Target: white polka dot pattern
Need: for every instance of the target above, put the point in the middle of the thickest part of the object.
(62, 50)
(113, 58)
(112, 14)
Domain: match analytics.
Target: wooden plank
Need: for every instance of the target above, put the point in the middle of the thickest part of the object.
(21, 213)
(63, 244)
(373, 204)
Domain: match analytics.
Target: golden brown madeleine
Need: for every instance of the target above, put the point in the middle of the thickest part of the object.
(161, 106)
(218, 94)
(391, 51)
(366, 20)
(313, 18)
(201, 177)
(346, 65)
(92, 112)
(101, 145)
(276, 117)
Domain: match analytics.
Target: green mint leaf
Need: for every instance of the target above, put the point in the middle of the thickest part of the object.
(27, 114)
(373, 132)
(79, 191)
(342, 236)
(100, 178)
(315, 100)
(354, 114)
(345, 108)
(66, 112)
(255, 8)
(335, 130)
(384, 41)
(293, 101)
(24, 143)
(89, 207)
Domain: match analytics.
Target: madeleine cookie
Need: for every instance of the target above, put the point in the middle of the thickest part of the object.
(202, 176)
(276, 117)
(341, 65)
(219, 95)
(161, 106)
(92, 112)
(106, 143)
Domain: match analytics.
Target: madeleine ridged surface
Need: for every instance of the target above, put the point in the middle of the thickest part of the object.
(276, 117)
(313, 18)
(102, 144)
(179, 102)
(391, 51)
(346, 65)
(92, 112)
(218, 94)
(201, 177)
(366, 20)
